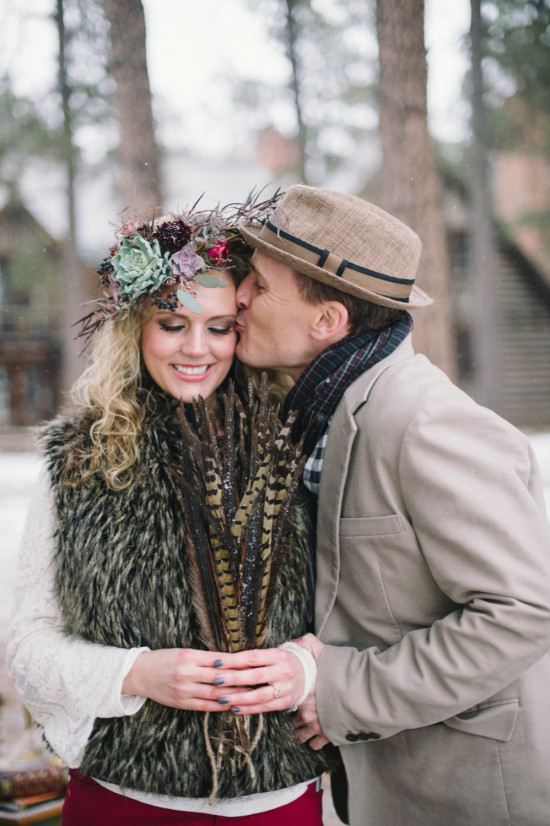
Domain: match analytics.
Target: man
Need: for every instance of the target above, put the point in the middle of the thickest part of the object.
(432, 597)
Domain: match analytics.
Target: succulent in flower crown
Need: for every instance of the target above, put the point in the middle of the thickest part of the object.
(178, 251)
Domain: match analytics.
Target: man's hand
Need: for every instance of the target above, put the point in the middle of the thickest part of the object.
(307, 723)
(311, 644)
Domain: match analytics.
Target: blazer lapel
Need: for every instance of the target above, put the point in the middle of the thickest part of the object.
(341, 435)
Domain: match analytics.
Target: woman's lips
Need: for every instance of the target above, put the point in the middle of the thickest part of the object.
(191, 372)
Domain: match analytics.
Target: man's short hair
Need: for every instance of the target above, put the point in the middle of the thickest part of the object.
(363, 316)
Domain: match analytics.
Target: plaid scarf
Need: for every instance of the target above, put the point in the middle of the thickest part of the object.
(319, 389)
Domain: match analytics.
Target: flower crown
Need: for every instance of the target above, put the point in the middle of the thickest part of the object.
(175, 250)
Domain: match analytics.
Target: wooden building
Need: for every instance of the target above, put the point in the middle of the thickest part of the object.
(522, 333)
(521, 320)
(31, 312)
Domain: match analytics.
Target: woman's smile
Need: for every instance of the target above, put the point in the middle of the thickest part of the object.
(187, 371)
(189, 354)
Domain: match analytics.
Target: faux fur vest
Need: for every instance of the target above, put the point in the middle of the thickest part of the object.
(121, 580)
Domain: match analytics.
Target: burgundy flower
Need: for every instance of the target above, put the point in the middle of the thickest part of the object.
(172, 235)
(219, 252)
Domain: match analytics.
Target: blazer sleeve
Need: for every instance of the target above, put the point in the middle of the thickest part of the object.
(469, 483)
(65, 682)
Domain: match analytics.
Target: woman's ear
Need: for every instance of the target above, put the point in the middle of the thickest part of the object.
(331, 322)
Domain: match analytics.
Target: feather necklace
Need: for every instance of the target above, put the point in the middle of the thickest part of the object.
(236, 495)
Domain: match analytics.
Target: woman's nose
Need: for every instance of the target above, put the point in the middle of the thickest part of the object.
(195, 344)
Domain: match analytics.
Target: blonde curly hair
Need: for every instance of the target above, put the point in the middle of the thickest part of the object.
(112, 390)
(109, 388)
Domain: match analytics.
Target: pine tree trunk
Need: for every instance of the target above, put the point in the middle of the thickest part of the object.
(482, 245)
(140, 169)
(74, 289)
(410, 185)
(291, 37)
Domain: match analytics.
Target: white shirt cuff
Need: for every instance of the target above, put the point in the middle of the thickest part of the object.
(116, 703)
(308, 664)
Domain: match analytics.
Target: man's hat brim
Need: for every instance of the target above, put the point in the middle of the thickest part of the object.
(255, 235)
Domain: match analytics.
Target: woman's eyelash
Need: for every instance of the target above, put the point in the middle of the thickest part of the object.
(169, 328)
(219, 331)
(222, 331)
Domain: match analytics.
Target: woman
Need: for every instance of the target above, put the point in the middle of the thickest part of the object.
(107, 644)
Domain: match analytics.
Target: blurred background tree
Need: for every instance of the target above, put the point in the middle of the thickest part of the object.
(517, 71)
(101, 88)
(138, 152)
(343, 104)
(410, 180)
(330, 82)
(24, 133)
(517, 46)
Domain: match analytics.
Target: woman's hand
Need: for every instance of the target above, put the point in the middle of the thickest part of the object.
(248, 682)
(269, 679)
(179, 678)
(283, 671)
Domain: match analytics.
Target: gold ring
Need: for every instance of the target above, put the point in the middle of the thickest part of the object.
(276, 691)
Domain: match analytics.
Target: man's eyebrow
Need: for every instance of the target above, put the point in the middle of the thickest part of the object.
(256, 271)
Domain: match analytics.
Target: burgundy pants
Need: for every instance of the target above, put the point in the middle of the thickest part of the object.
(87, 803)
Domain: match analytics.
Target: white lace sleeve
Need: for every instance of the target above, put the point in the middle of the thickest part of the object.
(65, 682)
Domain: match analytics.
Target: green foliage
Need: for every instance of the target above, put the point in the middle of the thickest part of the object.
(517, 44)
(518, 39)
(90, 87)
(140, 267)
(188, 301)
(23, 133)
(206, 280)
(34, 128)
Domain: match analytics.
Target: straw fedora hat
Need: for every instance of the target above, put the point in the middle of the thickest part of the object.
(344, 242)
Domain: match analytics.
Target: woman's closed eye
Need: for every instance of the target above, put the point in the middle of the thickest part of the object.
(222, 331)
(171, 328)
(218, 328)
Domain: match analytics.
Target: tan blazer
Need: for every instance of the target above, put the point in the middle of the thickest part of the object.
(433, 596)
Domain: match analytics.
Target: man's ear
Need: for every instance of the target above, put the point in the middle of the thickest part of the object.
(330, 322)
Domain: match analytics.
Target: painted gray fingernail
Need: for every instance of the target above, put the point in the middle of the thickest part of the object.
(235, 709)
(223, 700)
(219, 681)
(218, 663)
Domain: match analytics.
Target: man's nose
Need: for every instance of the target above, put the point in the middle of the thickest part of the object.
(242, 296)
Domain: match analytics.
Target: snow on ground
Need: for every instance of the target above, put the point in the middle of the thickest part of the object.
(18, 472)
